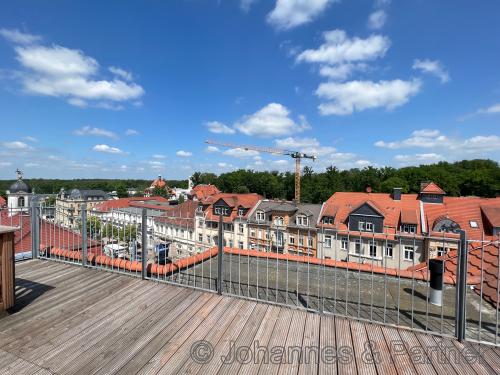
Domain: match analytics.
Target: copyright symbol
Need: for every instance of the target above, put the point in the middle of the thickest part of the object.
(201, 352)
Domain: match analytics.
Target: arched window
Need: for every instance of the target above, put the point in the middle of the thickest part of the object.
(20, 202)
(444, 224)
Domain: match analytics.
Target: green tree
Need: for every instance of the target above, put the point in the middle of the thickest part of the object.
(388, 185)
(121, 191)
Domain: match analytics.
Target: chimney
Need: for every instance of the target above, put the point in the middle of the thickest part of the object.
(396, 194)
(368, 189)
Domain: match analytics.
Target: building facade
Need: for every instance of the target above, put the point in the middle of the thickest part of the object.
(284, 227)
(19, 196)
(68, 207)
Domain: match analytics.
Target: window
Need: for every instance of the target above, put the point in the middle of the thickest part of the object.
(310, 241)
(278, 220)
(344, 243)
(231, 243)
(200, 237)
(259, 234)
(328, 220)
(240, 245)
(441, 251)
(409, 251)
(302, 220)
(20, 202)
(373, 249)
(280, 238)
(361, 225)
(221, 210)
(301, 240)
(199, 208)
(357, 246)
(267, 235)
(389, 250)
(291, 239)
(328, 241)
(473, 224)
(369, 227)
(190, 234)
(241, 228)
(209, 239)
(252, 232)
(241, 212)
(260, 216)
(409, 228)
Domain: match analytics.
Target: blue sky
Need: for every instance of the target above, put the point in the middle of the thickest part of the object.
(132, 89)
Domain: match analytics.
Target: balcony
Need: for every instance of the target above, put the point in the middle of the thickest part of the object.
(75, 320)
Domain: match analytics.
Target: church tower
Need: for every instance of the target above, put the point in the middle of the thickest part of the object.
(19, 195)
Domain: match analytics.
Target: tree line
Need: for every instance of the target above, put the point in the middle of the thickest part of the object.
(468, 177)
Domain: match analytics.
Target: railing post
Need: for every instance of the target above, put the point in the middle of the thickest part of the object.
(220, 254)
(144, 243)
(84, 234)
(35, 231)
(461, 288)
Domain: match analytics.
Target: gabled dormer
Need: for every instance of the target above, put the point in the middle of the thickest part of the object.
(367, 217)
(430, 192)
(220, 207)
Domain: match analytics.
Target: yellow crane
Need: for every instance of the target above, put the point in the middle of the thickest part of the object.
(293, 154)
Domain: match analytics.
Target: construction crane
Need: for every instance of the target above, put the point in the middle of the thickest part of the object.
(293, 154)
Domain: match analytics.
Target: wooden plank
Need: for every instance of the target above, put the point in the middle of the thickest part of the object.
(434, 353)
(455, 355)
(415, 349)
(278, 338)
(366, 352)
(328, 346)
(225, 311)
(245, 339)
(310, 345)
(347, 361)
(293, 345)
(168, 350)
(399, 353)
(384, 363)
(261, 339)
(148, 351)
(68, 353)
(90, 360)
(475, 350)
(66, 311)
(7, 282)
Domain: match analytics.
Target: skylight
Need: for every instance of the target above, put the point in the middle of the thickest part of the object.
(473, 224)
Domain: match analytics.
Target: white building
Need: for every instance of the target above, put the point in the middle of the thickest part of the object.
(19, 195)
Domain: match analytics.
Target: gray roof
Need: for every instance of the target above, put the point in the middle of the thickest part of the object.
(312, 211)
(19, 187)
(86, 194)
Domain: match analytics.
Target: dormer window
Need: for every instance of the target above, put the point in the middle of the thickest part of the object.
(327, 220)
(302, 220)
(241, 211)
(409, 228)
(279, 221)
(221, 210)
(365, 226)
(260, 216)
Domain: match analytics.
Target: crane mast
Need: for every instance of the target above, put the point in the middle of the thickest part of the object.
(298, 156)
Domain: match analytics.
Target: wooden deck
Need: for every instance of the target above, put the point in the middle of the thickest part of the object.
(71, 320)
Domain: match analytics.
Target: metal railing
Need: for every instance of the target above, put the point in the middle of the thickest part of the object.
(377, 277)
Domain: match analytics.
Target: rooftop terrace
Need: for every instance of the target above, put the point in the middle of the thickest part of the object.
(75, 320)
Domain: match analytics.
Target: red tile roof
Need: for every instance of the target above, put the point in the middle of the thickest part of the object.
(409, 216)
(431, 188)
(181, 215)
(492, 214)
(234, 201)
(461, 210)
(3, 203)
(201, 192)
(341, 204)
(126, 202)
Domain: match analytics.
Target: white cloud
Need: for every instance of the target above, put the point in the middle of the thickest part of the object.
(123, 168)
(240, 153)
(377, 19)
(219, 128)
(280, 162)
(18, 37)
(107, 149)
(131, 132)
(309, 146)
(5, 164)
(339, 49)
(346, 98)
(121, 73)
(159, 156)
(16, 145)
(156, 165)
(31, 165)
(288, 14)
(184, 154)
(434, 67)
(68, 73)
(88, 130)
(492, 109)
(245, 5)
(434, 139)
(271, 120)
(340, 72)
(224, 165)
(212, 149)
(30, 139)
(428, 158)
